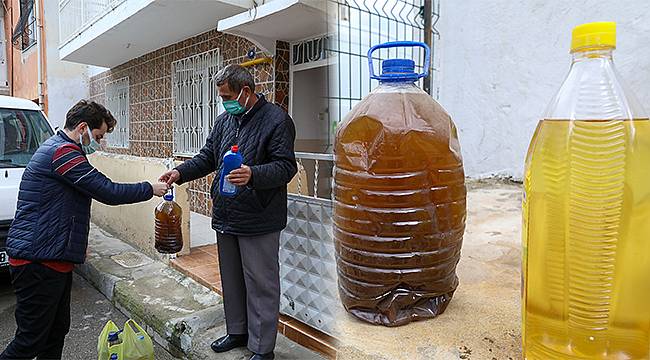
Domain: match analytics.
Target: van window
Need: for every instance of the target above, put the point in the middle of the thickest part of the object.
(21, 133)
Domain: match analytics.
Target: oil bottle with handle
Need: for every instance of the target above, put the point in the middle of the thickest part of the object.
(168, 230)
(399, 213)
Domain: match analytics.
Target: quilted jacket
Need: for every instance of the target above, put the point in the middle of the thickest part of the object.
(53, 210)
(265, 136)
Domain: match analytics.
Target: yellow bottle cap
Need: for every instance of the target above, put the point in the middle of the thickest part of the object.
(594, 35)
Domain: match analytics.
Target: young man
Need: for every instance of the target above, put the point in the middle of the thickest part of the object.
(49, 233)
(248, 225)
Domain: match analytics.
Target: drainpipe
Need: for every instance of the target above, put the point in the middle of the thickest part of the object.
(39, 52)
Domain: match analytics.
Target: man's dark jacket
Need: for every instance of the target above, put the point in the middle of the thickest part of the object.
(53, 212)
(265, 137)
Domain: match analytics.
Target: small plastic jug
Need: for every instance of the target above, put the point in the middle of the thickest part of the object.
(169, 219)
(231, 160)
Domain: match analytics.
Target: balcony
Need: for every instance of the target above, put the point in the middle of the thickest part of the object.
(284, 20)
(111, 32)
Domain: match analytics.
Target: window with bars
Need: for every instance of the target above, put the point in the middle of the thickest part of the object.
(196, 102)
(117, 102)
(309, 52)
(24, 34)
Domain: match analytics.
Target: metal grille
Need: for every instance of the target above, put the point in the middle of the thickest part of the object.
(196, 100)
(117, 101)
(24, 35)
(358, 25)
(307, 260)
(309, 51)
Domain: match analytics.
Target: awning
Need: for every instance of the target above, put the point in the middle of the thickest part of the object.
(284, 20)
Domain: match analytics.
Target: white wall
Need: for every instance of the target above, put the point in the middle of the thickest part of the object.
(503, 60)
(309, 92)
(136, 222)
(67, 82)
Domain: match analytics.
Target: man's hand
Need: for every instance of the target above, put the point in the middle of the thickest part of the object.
(170, 177)
(160, 189)
(241, 176)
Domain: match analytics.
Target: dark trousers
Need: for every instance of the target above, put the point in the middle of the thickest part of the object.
(42, 312)
(250, 279)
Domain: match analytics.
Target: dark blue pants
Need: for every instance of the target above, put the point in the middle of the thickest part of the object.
(42, 312)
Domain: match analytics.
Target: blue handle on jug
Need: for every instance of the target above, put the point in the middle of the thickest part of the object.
(391, 44)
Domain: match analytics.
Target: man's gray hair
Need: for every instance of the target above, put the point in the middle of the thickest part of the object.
(236, 76)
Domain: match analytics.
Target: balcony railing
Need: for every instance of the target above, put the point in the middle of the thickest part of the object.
(315, 175)
(75, 16)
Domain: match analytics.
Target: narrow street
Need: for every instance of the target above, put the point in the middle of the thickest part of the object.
(89, 312)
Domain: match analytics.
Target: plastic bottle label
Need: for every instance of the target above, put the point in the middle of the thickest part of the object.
(228, 187)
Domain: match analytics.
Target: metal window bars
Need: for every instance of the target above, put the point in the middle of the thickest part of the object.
(309, 51)
(117, 101)
(196, 102)
(24, 34)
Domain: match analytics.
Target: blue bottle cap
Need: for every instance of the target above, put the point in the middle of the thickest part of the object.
(113, 336)
(400, 69)
(168, 197)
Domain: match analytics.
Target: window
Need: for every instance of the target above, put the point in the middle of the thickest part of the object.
(196, 103)
(24, 35)
(309, 51)
(117, 102)
(21, 133)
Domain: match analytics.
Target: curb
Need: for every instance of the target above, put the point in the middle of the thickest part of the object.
(171, 307)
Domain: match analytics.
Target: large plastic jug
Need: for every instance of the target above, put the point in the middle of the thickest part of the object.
(169, 219)
(586, 215)
(231, 160)
(399, 211)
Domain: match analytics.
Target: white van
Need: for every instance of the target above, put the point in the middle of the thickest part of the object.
(23, 128)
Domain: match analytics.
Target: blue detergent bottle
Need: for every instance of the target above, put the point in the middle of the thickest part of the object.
(231, 160)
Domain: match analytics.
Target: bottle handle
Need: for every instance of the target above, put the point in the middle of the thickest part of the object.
(392, 44)
(169, 163)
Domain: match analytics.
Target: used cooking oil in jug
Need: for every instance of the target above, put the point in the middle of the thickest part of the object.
(399, 212)
(586, 215)
(169, 236)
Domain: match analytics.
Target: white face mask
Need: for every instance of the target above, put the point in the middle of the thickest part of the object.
(92, 146)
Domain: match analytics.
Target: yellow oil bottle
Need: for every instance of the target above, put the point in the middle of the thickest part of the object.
(586, 215)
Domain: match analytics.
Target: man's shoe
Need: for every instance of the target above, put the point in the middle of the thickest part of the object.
(229, 342)
(267, 356)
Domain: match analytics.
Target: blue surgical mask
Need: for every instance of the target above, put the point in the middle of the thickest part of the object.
(234, 107)
(92, 146)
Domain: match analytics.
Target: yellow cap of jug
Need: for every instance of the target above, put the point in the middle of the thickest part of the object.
(594, 35)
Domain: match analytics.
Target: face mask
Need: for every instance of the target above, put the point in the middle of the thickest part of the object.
(234, 107)
(92, 146)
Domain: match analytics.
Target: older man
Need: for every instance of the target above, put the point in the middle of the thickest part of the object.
(248, 224)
